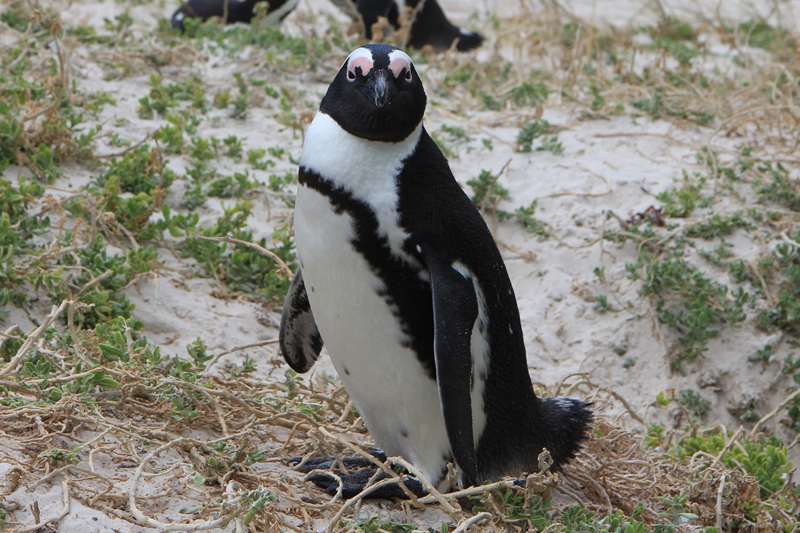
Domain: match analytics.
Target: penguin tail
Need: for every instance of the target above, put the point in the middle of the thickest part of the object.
(467, 40)
(177, 19)
(567, 422)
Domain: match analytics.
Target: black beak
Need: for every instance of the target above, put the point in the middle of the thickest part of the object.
(381, 87)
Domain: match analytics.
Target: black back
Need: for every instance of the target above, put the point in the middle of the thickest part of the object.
(430, 26)
(435, 210)
(238, 11)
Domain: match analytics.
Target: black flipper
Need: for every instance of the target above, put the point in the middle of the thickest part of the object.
(455, 308)
(299, 337)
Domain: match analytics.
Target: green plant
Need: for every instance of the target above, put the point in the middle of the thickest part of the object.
(526, 217)
(163, 98)
(198, 353)
(785, 314)
(529, 94)
(532, 131)
(140, 170)
(234, 186)
(765, 459)
(776, 185)
(655, 436)
(676, 38)
(376, 525)
(681, 202)
(487, 191)
(240, 103)
(240, 267)
(657, 107)
(718, 226)
(695, 404)
(601, 304)
(695, 306)
(761, 34)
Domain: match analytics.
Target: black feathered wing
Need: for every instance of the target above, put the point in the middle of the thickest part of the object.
(299, 337)
(470, 287)
(455, 309)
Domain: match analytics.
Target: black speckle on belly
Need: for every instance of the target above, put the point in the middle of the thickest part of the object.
(404, 432)
(407, 295)
(346, 371)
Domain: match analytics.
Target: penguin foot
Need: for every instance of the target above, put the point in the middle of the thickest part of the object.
(355, 473)
(353, 484)
(328, 463)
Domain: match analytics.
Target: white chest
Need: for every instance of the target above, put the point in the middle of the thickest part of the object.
(365, 169)
(383, 376)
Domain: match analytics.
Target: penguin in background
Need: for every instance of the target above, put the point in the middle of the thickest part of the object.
(401, 280)
(231, 11)
(430, 25)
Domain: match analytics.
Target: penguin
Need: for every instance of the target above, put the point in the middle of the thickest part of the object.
(234, 11)
(401, 280)
(429, 24)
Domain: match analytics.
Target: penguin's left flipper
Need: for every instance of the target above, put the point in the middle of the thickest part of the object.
(455, 308)
(299, 337)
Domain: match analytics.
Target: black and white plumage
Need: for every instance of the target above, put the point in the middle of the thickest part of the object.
(300, 340)
(407, 289)
(230, 11)
(429, 24)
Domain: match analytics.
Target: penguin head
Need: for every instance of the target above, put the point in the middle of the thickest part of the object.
(377, 94)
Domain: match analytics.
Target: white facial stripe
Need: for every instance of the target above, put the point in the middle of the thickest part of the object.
(398, 62)
(360, 58)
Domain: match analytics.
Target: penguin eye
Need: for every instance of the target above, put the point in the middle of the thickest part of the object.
(351, 75)
(408, 74)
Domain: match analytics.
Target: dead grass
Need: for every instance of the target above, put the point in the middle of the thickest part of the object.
(241, 434)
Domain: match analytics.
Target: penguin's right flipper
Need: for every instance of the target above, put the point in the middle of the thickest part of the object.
(455, 309)
(299, 337)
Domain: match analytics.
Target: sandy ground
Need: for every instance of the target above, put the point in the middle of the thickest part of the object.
(614, 165)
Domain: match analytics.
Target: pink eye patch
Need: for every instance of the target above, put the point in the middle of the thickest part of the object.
(399, 62)
(398, 65)
(362, 59)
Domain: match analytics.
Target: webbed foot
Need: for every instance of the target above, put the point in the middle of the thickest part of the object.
(326, 463)
(355, 473)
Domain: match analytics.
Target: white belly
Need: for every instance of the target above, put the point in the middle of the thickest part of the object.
(398, 401)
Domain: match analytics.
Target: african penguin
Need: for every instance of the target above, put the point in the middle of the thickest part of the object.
(402, 281)
(237, 11)
(430, 25)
